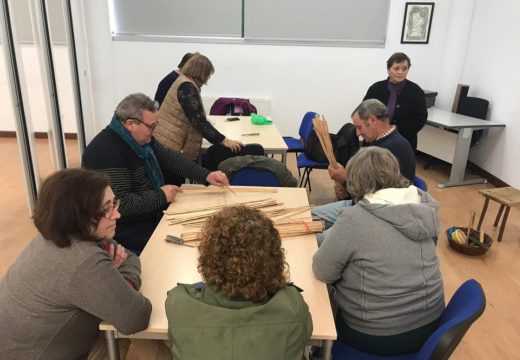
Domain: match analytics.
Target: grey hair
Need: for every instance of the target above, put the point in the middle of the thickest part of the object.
(371, 169)
(372, 107)
(133, 106)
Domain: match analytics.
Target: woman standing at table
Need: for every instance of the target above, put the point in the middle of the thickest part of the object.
(245, 309)
(380, 257)
(71, 276)
(404, 99)
(182, 115)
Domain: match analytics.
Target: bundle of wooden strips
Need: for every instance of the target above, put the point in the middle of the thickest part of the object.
(198, 220)
(286, 229)
(237, 189)
(186, 218)
(255, 204)
(284, 212)
(322, 130)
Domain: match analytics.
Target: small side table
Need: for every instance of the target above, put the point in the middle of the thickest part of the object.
(506, 197)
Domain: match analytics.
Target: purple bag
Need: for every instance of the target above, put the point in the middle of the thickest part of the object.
(232, 106)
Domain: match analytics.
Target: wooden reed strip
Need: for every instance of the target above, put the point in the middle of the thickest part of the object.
(271, 213)
(174, 219)
(253, 203)
(285, 230)
(322, 131)
(293, 211)
(237, 189)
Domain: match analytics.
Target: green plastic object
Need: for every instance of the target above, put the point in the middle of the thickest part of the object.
(260, 120)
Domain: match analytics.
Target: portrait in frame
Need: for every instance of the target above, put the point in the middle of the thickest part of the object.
(417, 22)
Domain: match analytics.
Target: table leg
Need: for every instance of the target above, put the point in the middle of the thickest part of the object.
(503, 226)
(113, 349)
(484, 209)
(499, 214)
(458, 167)
(284, 157)
(327, 350)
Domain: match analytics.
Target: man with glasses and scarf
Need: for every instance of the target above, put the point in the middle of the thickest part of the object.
(135, 161)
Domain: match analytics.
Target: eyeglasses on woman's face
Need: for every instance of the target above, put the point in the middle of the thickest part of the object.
(109, 210)
(149, 126)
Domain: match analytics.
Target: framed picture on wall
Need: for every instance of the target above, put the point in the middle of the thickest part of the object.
(417, 22)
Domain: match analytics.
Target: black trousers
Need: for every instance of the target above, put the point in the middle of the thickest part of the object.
(404, 343)
(134, 236)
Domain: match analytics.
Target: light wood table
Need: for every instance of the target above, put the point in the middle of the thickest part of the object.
(165, 264)
(268, 135)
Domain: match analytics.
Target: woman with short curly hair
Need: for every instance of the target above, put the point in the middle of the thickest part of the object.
(246, 308)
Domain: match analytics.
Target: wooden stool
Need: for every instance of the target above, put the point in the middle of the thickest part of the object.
(506, 197)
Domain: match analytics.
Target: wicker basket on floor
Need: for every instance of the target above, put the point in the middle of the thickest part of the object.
(474, 247)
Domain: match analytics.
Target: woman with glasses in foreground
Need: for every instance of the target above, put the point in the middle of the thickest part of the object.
(71, 276)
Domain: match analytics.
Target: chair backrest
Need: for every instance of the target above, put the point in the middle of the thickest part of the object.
(253, 177)
(420, 183)
(218, 153)
(267, 168)
(306, 125)
(474, 107)
(466, 306)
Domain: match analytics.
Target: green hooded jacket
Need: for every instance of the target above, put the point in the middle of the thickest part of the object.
(204, 324)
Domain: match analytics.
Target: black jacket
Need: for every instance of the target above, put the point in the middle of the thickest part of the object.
(410, 113)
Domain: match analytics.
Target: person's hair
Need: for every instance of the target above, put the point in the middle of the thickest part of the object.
(199, 68)
(397, 58)
(133, 106)
(372, 107)
(372, 169)
(240, 255)
(185, 58)
(69, 204)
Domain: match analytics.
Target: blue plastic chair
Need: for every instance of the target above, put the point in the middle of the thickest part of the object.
(294, 145)
(308, 165)
(254, 177)
(466, 306)
(420, 183)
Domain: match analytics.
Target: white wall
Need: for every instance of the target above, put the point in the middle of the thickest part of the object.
(492, 70)
(297, 79)
(471, 41)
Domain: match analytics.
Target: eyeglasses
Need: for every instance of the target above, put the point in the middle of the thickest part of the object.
(109, 211)
(151, 127)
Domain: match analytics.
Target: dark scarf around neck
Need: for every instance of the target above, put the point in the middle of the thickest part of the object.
(144, 152)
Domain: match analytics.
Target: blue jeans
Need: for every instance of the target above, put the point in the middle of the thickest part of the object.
(329, 213)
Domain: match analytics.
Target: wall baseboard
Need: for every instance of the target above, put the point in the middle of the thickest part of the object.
(475, 169)
(38, 135)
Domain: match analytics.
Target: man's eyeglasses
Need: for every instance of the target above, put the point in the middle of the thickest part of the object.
(151, 127)
(109, 211)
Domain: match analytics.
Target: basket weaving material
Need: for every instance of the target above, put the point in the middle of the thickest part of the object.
(471, 249)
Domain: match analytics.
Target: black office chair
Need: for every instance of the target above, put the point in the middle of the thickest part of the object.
(474, 107)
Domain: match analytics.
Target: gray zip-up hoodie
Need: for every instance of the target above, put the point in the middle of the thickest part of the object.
(381, 259)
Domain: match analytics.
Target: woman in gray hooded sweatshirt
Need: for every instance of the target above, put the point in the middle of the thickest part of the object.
(380, 257)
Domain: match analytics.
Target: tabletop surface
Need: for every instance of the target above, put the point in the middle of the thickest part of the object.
(268, 135)
(164, 264)
(451, 120)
